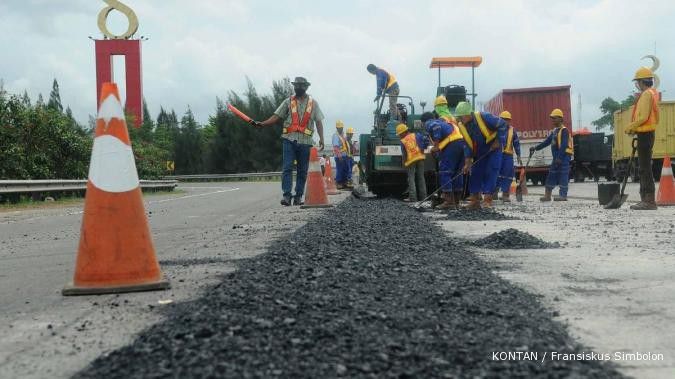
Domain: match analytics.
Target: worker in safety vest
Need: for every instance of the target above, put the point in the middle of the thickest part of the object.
(643, 123)
(442, 110)
(508, 170)
(412, 147)
(341, 154)
(386, 86)
(486, 135)
(300, 113)
(350, 155)
(454, 157)
(562, 148)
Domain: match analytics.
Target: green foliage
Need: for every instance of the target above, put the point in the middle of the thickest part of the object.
(608, 107)
(55, 98)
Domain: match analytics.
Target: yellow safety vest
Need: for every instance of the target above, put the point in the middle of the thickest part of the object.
(413, 151)
(391, 81)
(487, 133)
(467, 137)
(509, 142)
(345, 145)
(454, 136)
(650, 124)
(570, 143)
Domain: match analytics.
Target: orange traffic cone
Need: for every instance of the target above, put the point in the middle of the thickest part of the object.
(116, 253)
(331, 189)
(512, 190)
(523, 181)
(666, 195)
(315, 193)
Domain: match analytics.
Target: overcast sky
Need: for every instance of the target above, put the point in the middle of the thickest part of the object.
(200, 49)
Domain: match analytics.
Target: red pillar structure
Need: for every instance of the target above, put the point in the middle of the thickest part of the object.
(131, 50)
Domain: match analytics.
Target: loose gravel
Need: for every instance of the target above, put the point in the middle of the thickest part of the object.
(484, 214)
(513, 239)
(369, 289)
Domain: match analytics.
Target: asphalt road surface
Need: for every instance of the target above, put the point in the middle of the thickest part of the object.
(199, 234)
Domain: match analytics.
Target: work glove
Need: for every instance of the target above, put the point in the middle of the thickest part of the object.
(520, 162)
(468, 162)
(630, 131)
(435, 149)
(532, 150)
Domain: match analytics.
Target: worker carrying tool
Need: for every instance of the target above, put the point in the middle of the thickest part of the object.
(341, 154)
(486, 134)
(300, 113)
(562, 148)
(412, 147)
(350, 156)
(455, 157)
(643, 123)
(508, 170)
(442, 110)
(386, 86)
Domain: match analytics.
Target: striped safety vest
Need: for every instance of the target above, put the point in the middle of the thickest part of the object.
(454, 136)
(570, 143)
(413, 151)
(487, 133)
(509, 141)
(296, 124)
(650, 124)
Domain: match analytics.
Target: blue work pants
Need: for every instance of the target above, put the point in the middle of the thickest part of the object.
(294, 151)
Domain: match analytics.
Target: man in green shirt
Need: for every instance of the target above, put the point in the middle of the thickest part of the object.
(301, 115)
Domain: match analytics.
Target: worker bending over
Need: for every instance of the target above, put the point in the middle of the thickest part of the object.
(487, 134)
(454, 158)
(562, 149)
(643, 123)
(340, 152)
(508, 170)
(386, 86)
(412, 147)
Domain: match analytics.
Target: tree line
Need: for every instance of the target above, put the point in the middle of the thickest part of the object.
(43, 141)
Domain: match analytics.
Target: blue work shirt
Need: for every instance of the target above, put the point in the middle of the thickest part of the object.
(552, 139)
(493, 123)
(382, 79)
(439, 129)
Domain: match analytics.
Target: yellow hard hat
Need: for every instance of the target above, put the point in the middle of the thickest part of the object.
(400, 129)
(440, 100)
(350, 130)
(643, 73)
(556, 113)
(506, 115)
(339, 124)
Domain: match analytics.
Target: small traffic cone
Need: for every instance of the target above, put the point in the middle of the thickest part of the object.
(512, 190)
(331, 189)
(523, 181)
(666, 194)
(315, 193)
(116, 253)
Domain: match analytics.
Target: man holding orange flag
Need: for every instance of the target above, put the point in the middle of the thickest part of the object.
(300, 113)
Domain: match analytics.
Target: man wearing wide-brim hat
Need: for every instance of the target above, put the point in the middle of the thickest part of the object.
(301, 116)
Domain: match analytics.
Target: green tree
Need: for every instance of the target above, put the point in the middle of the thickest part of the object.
(608, 107)
(55, 98)
(188, 150)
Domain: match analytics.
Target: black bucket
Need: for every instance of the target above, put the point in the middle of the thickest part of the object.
(607, 191)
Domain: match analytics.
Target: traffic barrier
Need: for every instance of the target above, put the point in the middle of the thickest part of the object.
(666, 194)
(115, 253)
(315, 195)
(331, 188)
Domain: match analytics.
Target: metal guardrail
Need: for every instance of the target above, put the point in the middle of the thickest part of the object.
(19, 187)
(251, 176)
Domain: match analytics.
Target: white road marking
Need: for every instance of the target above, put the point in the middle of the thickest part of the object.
(190, 196)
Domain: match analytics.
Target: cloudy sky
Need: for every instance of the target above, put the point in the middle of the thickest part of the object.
(200, 49)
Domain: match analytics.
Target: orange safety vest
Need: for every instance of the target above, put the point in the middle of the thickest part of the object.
(570, 143)
(413, 151)
(487, 133)
(296, 124)
(454, 136)
(509, 142)
(650, 124)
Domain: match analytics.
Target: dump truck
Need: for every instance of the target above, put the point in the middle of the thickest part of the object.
(530, 109)
(664, 144)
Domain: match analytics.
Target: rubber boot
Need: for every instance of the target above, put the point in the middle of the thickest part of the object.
(448, 201)
(459, 196)
(559, 198)
(474, 202)
(506, 197)
(547, 195)
(487, 201)
(647, 204)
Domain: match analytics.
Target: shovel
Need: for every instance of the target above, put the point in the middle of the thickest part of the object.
(523, 180)
(618, 200)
